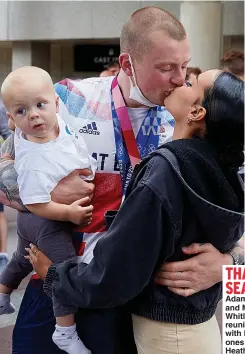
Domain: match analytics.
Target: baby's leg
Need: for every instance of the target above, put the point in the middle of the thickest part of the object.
(55, 240)
(66, 337)
(6, 307)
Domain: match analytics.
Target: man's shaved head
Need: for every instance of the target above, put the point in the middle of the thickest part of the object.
(136, 33)
(26, 76)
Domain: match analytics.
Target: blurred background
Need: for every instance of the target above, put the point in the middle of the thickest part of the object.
(78, 39)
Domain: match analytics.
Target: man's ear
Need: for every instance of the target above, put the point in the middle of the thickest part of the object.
(197, 113)
(125, 63)
(11, 122)
(57, 104)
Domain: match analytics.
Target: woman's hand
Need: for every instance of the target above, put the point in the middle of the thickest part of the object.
(39, 261)
(195, 274)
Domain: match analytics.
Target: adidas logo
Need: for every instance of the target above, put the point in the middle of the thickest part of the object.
(90, 129)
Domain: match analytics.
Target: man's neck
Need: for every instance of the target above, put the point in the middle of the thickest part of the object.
(123, 82)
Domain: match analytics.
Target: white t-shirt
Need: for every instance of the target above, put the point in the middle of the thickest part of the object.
(86, 106)
(41, 166)
(137, 116)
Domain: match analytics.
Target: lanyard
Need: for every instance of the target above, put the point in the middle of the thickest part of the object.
(125, 123)
(130, 150)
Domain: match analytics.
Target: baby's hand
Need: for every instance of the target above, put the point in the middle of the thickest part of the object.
(80, 214)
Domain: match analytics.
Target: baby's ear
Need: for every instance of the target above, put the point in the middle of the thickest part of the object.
(11, 122)
(197, 113)
(57, 104)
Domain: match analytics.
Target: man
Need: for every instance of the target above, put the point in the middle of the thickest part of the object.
(112, 69)
(4, 133)
(154, 57)
(233, 61)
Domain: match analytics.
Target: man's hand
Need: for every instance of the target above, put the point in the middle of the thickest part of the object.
(198, 273)
(11, 203)
(80, 214)
(39, 261)
(6, 156)
(72, 188)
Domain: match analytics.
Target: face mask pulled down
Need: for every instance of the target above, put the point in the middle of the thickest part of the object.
(135, 92)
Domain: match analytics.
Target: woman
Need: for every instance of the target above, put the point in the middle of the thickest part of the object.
(160, 215)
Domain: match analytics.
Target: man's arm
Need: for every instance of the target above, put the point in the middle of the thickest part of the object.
(5, 132)
(124, 260)
(68, 190)
(72, 188)
(9, 191)
(7, 149)
(200, 272)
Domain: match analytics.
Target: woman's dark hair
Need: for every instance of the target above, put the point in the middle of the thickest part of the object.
(224, 103)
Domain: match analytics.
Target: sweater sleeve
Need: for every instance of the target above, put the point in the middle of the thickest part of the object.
(5, 132)
(124, 259)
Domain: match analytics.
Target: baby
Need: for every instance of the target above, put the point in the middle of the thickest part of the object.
(46, 150)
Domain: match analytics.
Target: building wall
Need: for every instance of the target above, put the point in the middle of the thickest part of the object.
(57, 25)
(61, 61)
(42, 20)
(4, 21)
(38, 20)
(233, 42)
(233, 21)
(61, 58)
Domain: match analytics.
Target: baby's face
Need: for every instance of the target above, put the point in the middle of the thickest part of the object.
(33, 108)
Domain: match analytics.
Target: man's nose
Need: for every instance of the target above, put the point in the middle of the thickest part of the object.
(178, 78)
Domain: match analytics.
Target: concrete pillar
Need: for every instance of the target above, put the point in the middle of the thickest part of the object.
(25, 53)
(21, 54)
(203, 23)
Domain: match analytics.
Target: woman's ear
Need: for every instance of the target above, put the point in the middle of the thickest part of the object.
(196, 114)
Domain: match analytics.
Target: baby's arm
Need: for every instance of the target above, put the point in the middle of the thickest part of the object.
(35, 188)
(76, 212)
